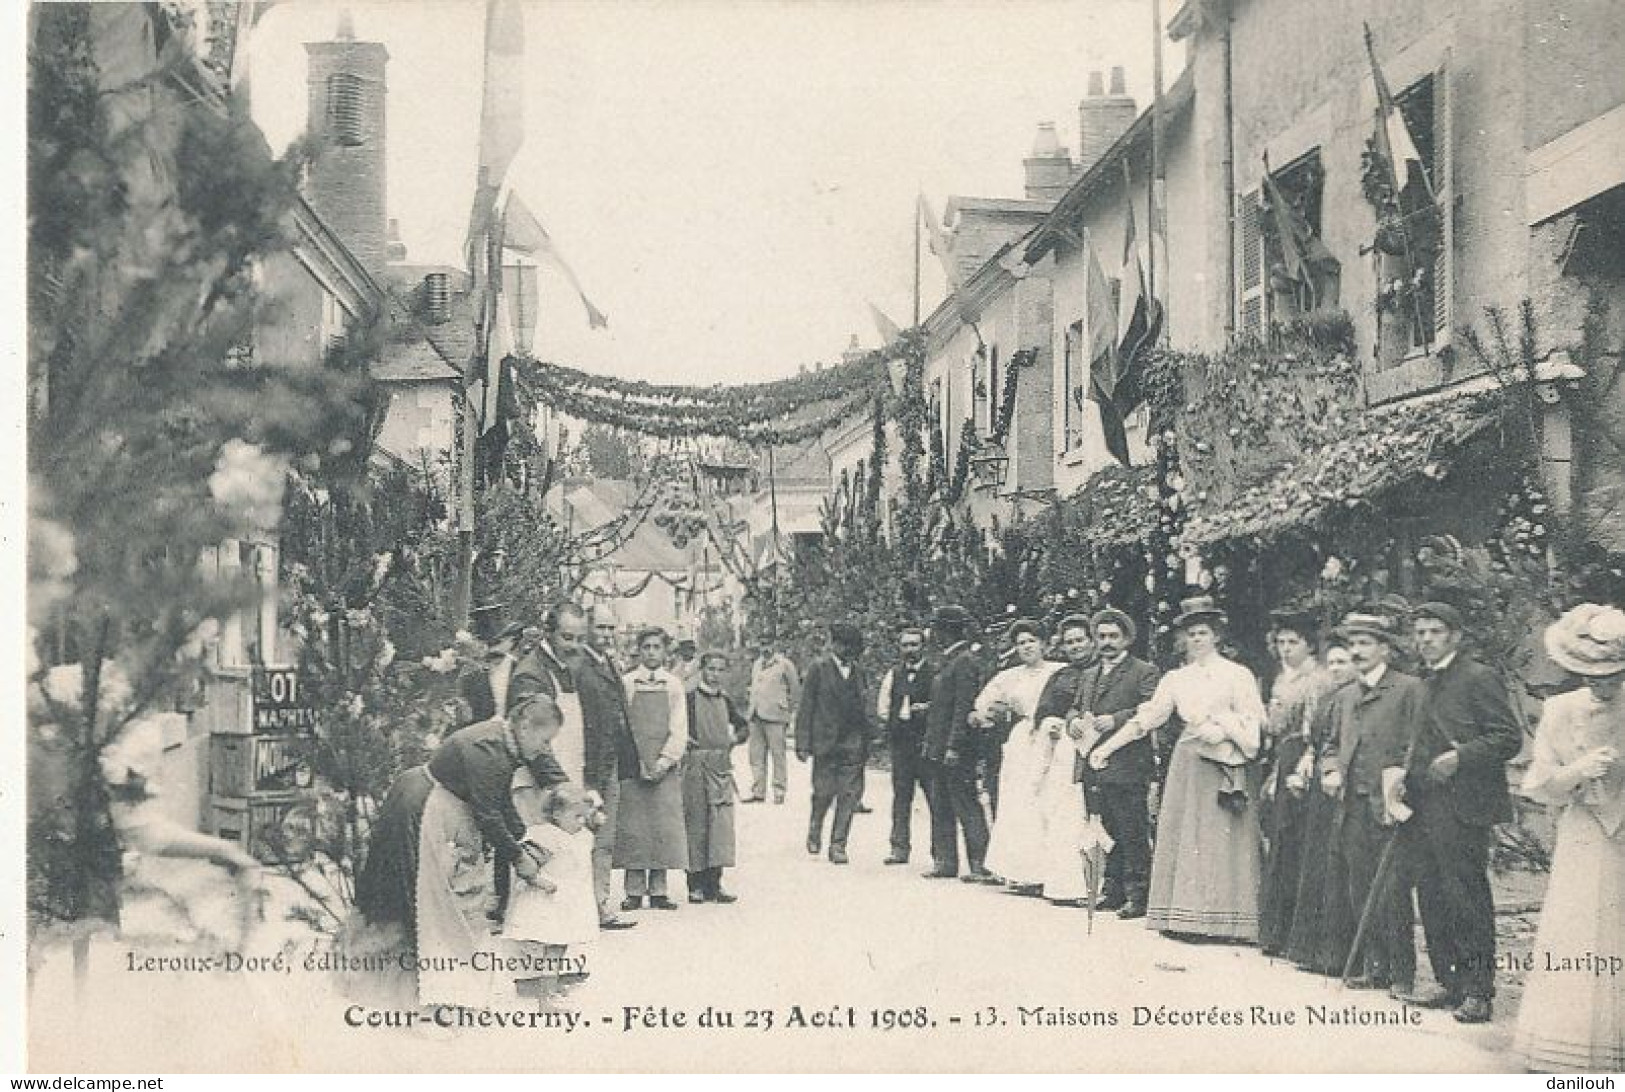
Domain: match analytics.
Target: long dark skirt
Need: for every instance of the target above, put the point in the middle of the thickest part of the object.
(1323, 922)
(1283, 859)
(386, 890)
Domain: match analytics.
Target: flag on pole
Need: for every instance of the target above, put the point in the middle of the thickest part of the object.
(1393, 136)
(524, 234)
(1139, 315)
(1308, 267)
(942, 247)
(888, 330)
(1102, 321)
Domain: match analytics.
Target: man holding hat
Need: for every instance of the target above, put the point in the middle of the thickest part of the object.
(1455, 780)
(1095, 696)
(832, 728)
(1373, 720)
(950, 752)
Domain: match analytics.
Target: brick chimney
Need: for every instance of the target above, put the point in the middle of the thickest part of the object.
(1103, 117)
(1049, 168)
(346, 120)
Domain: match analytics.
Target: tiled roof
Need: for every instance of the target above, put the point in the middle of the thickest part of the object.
(414, 361)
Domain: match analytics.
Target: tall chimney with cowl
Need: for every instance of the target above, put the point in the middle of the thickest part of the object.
(1103, 117)
(346, 182)
(1049, 168)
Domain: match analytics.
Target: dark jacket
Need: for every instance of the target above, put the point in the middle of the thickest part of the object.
(605, 722)
(736, 720)
(1466, 708)
(833, 718)
(1372, 729)
(1077, 689)
(910, 732)
(953, 696)
(540, 671)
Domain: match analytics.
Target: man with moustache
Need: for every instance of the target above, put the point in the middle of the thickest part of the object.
(1455, 780)
(1095, 695)
(950, 752)
(1373, 722)
(607, 727)
(903, 705)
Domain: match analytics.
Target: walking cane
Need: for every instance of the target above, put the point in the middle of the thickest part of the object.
(1378, 881)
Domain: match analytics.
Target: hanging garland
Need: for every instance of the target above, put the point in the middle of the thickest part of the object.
(784, 411)
(1007, 403)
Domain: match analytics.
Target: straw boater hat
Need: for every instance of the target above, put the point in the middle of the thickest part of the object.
(1200, 610)
(1115, 617)
(1379, 626)
(1588, 640)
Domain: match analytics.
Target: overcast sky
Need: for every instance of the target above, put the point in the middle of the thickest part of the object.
(731, 181)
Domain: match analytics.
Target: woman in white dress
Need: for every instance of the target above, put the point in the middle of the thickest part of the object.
(1016, 844)
(1204, 873)
(1573, 1012)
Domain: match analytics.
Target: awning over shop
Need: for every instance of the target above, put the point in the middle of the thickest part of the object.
(1387, 447)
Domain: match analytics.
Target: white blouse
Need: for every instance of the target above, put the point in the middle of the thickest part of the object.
(1571, 726)
(1214, 690)
(1018, 687)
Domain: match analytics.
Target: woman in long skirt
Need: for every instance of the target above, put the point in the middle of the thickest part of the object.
(1573, 1012)
(1016, 844)
(1204, 873)
(1286, 802)
(428, 878)
(1322, 922)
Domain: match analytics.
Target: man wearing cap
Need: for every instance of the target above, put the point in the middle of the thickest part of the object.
(1455, 780)
(950, 752)
(775, 690)
(1373, 721)
(1095, 696)
(832, 729)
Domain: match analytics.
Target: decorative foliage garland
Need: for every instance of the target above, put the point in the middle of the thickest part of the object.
(784, 411)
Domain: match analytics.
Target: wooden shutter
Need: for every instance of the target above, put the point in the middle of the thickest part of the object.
(1071, 377)
(994, 395)
(1252, 318)
(1444, 184)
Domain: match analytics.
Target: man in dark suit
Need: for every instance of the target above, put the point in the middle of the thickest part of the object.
(607, 728)
(903, 705)
(1455, 780)
(832, 728)
(1373, 719)
(950, 753)
(484, 686)
(1095, 695)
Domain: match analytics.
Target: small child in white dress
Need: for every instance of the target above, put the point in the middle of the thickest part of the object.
(550, 924)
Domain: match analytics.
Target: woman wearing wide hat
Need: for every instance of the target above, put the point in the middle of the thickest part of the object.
(1204, 873)
(1573, 1011)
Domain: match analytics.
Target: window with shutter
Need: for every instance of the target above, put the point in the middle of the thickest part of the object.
(1443, 177)
(345, 104)
(994, 401)
(1072, 387)
(980, 413)
(1252, 317)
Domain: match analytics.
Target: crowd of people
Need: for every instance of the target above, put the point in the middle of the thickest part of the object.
(1317, 823)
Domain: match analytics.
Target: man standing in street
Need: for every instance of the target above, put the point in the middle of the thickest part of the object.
(1096, 694)
(832, 728)
(485, 687)
(1455, 781)
(1373, 720)
(608, 730)
(950, 753)
(903, 705)
(775, 689)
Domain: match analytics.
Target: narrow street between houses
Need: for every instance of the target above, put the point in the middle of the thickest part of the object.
(832, 956)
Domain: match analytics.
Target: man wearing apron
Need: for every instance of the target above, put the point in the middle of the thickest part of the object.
(651, 835)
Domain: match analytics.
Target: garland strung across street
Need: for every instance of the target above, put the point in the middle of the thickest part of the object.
(783, 411)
